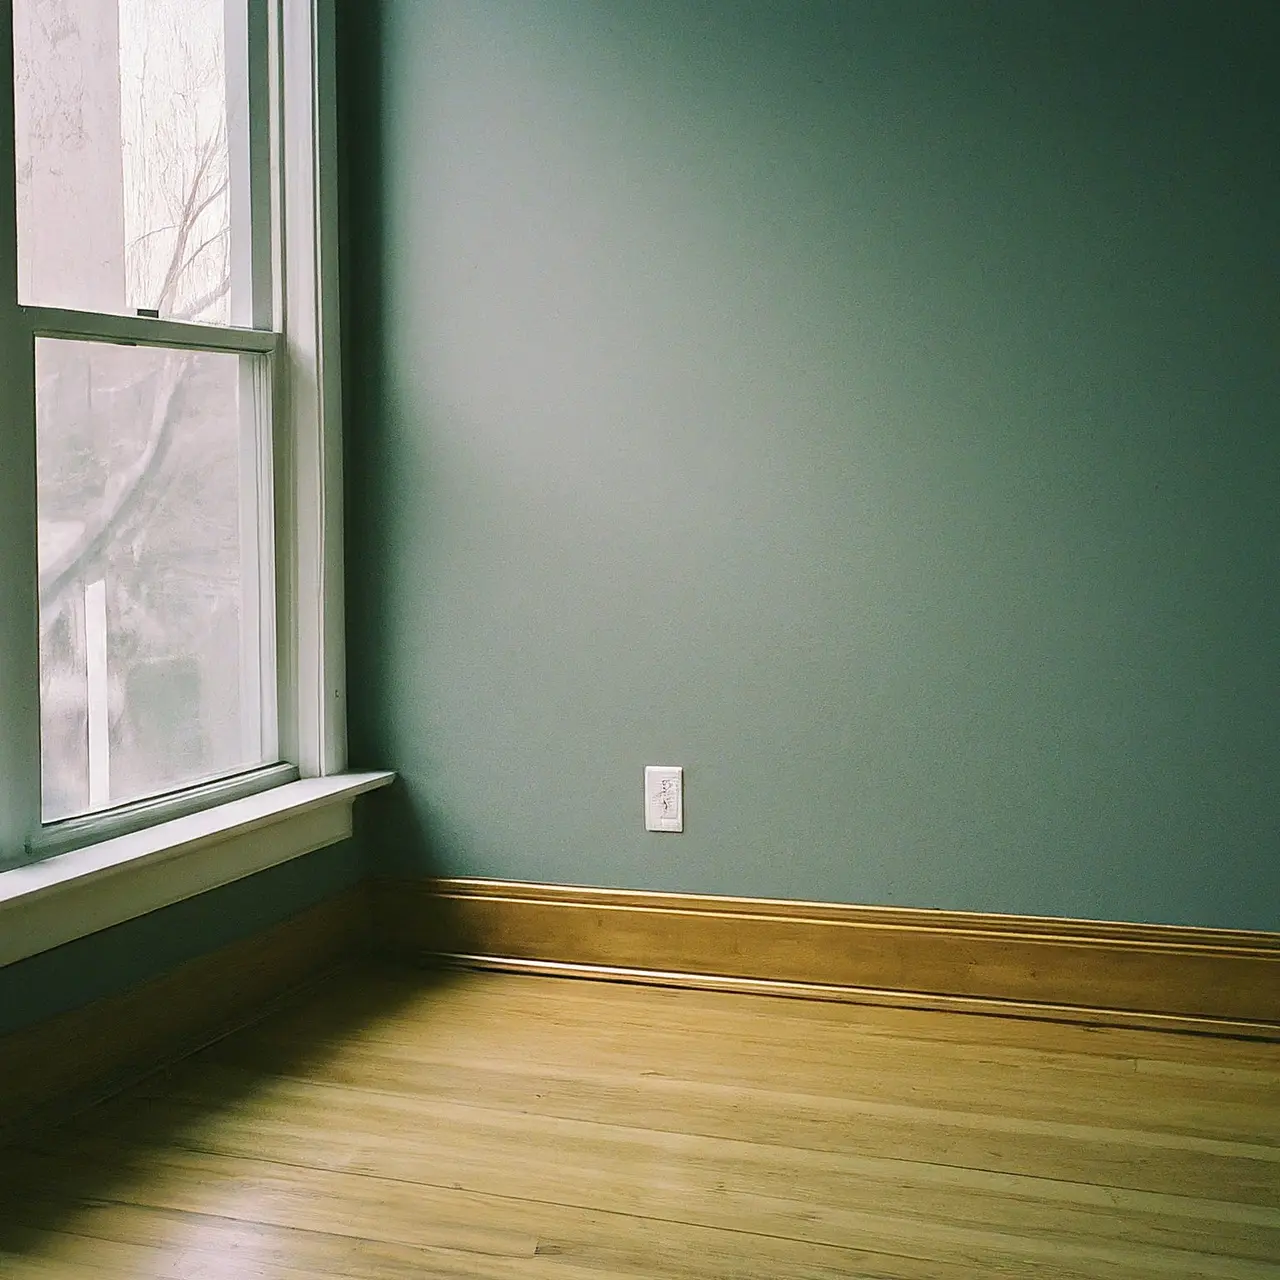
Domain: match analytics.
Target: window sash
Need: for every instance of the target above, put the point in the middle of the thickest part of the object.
(257, 714)
(246, 97)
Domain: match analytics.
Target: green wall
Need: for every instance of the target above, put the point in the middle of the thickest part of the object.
(872, 407)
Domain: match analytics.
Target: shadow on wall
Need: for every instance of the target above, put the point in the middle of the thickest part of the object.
(402, 859)
(395, 835)
(360, 183)
(393, 830)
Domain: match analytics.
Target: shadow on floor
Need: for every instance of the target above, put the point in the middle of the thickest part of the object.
(53, 1180)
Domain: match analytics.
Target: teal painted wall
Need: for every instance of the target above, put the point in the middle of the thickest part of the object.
(873, 407)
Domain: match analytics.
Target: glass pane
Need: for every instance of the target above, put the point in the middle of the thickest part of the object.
(126, 182)
(151, 654)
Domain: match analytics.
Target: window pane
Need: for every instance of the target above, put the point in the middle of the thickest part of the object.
(126, 183)
(151, 653)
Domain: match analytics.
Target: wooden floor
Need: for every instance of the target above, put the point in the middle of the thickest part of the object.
(506, 1126)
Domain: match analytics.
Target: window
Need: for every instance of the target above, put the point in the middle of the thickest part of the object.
(170, 590)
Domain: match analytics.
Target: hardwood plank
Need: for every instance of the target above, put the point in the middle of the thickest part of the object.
(409, 1213)
(582, 1245)
(927, 1135)
(664, 1175)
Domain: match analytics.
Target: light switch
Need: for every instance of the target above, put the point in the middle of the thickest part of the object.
(663, 797)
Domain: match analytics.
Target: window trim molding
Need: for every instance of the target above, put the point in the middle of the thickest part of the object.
(309, 495)
(19, 608)
(70, 895)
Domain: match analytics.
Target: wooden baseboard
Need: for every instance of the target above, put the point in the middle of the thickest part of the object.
(58, 1067)
(1214, 981)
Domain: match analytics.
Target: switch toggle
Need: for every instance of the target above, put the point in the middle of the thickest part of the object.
(663, 797)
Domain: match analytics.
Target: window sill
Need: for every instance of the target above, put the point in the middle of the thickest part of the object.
(73, 894)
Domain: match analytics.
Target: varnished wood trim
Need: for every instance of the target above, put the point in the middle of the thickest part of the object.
(1217, 980)
(56, 1067)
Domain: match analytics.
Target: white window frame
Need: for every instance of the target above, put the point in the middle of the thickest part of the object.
(302, 335)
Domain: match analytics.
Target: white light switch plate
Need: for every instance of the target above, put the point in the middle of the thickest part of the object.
(663, 797)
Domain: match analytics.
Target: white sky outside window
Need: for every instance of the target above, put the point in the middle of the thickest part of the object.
(173, 124)
(124, 180)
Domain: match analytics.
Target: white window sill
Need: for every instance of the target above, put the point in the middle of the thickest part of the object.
(74, 894)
